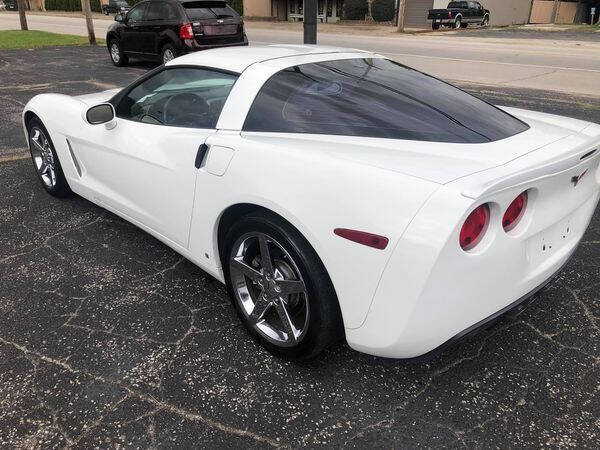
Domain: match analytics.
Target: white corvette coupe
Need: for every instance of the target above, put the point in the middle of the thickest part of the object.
(335, 192)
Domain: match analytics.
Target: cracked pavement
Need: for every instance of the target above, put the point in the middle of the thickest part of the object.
(110, 339)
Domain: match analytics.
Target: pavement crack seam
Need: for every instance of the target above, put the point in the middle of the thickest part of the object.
(194, 417)
(44, 244)
(588, 314)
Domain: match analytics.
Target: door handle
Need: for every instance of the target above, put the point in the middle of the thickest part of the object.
(201, 155)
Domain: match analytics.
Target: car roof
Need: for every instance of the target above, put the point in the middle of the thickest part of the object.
(237, 59)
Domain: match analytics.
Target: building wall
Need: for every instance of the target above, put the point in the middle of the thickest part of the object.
(257, 8)
(415, 13)
(502, 12)
(542, 12)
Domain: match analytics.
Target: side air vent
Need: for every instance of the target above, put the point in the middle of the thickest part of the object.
(588, 154)
(75, 162)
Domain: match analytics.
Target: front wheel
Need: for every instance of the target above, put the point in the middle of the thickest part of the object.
(105, 11)
(117, 56)
(45, 160)
(280, 288)
(486, 21)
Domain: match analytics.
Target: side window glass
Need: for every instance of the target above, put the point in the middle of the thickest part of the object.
(178, 97)
(156, 11)
(136, 14)
(160, 11)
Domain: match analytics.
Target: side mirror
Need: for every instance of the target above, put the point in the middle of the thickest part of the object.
(119, 17)
(102, 113)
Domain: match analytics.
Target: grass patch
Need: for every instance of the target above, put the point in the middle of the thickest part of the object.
(17, 39)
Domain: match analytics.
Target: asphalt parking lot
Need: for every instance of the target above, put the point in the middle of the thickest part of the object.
(108, 338)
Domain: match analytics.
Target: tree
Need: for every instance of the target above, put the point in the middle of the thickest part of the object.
(554, 11)
(22, 17)
(401, 5)
(87, 10)
(383, 10)
(355, 9)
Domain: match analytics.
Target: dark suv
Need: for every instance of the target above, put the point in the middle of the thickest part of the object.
(165, 29)
(11, 5)
(115, 6)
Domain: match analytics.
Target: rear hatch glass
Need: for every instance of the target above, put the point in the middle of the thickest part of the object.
(208, 10)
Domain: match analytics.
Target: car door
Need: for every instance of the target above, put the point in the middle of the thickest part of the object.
(473, 12)
(160, 17)
(144, 164)
(131, 34)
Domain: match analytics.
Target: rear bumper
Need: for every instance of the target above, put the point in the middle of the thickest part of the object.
(192, 46)
(518, 305)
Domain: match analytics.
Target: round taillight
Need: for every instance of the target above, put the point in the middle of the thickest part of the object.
(474, 227)
(515, 212)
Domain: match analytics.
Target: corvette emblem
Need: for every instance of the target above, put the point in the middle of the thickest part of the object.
(577, 178)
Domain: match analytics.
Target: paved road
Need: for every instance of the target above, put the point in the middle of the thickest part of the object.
(110, 339)
(557, 65)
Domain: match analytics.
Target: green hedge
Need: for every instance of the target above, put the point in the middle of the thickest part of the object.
(383, 10)
(75, 5)
(70, 5)
(355, 9)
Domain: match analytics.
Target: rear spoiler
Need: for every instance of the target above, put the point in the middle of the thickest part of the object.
(545, 162)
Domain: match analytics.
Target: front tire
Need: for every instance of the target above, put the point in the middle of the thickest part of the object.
(45, 160)
(117, 56)
(280, 288)
(486, 22)
(105, 11)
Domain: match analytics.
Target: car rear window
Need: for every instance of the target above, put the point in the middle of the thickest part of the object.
(457, 5)
(208, 10)
(375, 98)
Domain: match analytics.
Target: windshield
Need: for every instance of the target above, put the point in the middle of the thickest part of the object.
(375, 98)
(208, 10)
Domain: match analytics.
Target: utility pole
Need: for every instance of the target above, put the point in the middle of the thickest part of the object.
(310, 21)
(87, 11)
(21, 5)
(401, 4)
(554, 11)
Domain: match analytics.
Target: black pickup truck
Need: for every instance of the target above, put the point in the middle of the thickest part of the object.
(459, 15)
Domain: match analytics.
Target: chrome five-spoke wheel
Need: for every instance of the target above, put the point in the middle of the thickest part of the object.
(269, 289)
(43, 158)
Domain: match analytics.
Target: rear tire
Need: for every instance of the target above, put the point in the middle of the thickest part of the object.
(312, 311)
(117, 56)
(45, 160)
(435, 26)
(105, 11)
(457, 22)
(168, 53)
